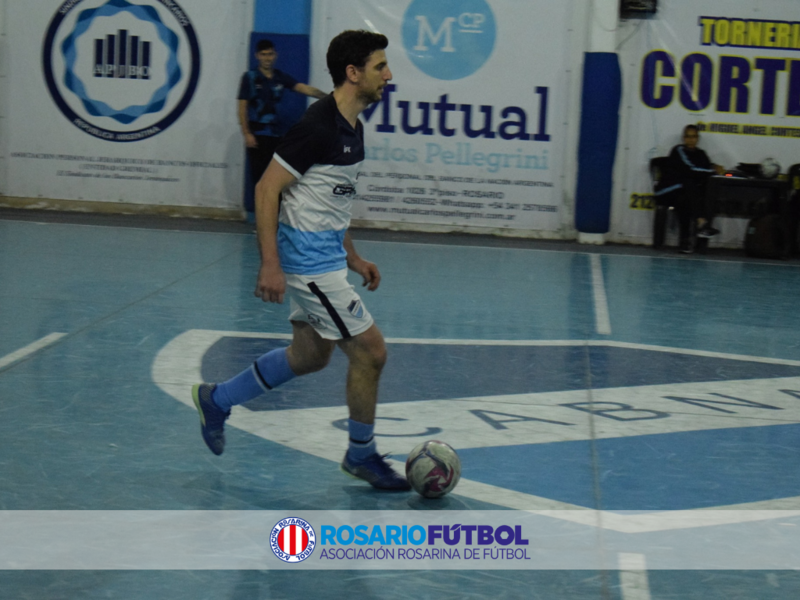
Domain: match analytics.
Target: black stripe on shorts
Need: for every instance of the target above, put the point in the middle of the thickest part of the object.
(331, 311)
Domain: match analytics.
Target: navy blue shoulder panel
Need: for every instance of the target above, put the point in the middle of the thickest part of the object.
(322, 137)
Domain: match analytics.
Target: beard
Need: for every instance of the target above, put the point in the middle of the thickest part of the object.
(371, 97)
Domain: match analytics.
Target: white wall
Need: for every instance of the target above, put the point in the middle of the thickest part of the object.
(647, 132)
(3, 95)
(538, 44)
(197, 161)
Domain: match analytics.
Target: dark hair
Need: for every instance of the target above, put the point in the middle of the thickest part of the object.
(691, 126)
(352, 47)
(264, 45)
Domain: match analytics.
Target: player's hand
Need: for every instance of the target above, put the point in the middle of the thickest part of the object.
(271, 284)
(369, 271)
(250, 140)
(719, 169)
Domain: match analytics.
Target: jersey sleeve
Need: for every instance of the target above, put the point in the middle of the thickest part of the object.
(307, 143)
(244, 88)
(287, 80)
(704, 161)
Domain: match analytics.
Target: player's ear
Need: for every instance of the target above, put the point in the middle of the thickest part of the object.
(353, 73)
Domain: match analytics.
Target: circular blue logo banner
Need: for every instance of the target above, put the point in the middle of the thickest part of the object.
(121, 71)
(449, 39)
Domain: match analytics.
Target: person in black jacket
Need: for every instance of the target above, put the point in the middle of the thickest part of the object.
(685, 177)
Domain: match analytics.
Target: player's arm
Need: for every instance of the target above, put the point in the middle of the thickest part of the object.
(718, 169)
(308, 90)
(367, 270)
(271, 284)
(244, 124)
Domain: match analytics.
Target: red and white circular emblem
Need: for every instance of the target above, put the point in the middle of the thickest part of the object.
(293, 540)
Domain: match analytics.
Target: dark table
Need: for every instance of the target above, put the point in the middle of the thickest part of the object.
(749, 198)
(745, 197)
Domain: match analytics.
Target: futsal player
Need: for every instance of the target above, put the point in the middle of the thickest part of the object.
(303, 207)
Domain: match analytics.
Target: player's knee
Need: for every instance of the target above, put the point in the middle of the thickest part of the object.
(366, 351)
(376, 356)
(303, 363)
(379, 360)
(371, 358)
(321, 360)
(317, 362)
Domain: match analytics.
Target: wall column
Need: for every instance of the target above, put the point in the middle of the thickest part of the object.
(599, 126)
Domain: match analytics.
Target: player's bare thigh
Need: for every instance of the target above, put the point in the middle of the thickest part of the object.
(308, 352)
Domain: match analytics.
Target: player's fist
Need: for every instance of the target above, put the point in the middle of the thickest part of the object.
(368, 271)
(271, 284)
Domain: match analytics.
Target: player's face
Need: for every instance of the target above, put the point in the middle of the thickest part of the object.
(690, 139)
(375, 76)
(266, 58)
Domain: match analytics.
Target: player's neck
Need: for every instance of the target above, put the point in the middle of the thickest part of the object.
(267, 72)
(348, 103)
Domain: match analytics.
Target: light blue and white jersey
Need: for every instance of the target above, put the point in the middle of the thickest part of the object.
(324, 152)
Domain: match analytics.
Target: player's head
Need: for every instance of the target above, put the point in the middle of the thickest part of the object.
(691, 136)
(266, 54)
(264, 45)
(352, 48)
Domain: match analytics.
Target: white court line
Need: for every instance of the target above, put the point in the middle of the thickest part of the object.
(633, 577)
(30, 349)
(210, 336)
(601, 318)
(176, 368)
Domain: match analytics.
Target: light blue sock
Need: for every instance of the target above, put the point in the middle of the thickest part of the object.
(267, 372)
(362, 440)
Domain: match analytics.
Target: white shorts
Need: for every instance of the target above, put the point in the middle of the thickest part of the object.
(328, 303)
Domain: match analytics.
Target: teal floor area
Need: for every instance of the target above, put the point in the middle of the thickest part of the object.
(612, 379)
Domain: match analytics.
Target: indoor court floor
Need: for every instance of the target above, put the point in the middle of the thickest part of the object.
(643, 406)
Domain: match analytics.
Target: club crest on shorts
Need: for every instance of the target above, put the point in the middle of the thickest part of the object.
(315, 321)
(356, 309)
(293, 540)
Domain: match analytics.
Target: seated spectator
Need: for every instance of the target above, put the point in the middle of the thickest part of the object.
(684, 178)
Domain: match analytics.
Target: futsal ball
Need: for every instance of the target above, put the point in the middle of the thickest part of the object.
(433, 469)
(770, 168)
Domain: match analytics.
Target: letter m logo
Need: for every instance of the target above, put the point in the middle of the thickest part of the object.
(425, 31)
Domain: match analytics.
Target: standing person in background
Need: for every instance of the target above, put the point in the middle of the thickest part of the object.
(686, 175)
(303, 205)
(260, 92)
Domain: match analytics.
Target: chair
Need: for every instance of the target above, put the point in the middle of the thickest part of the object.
(672, 202)
(663, 203)
(791, 212)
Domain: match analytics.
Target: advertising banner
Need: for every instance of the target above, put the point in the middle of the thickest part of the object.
(419, 538)
(125, 102)
(470, 132)
(733, 68)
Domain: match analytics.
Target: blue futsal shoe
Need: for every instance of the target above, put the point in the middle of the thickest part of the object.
(212, 417)
(375, 470)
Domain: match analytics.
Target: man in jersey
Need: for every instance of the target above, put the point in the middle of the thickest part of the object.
(302, 214)
(260, 92)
